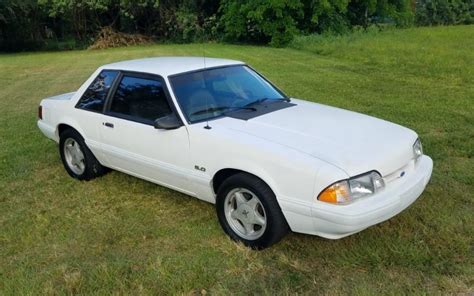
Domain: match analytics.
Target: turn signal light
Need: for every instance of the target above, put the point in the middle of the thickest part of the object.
(336, 193)
(346, 191)
(40, 112)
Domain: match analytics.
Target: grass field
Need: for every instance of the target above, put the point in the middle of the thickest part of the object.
(118, 234)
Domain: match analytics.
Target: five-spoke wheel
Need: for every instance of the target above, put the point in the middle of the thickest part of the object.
(74, 156)
(77, 159)
(245, 213)
(249, 212)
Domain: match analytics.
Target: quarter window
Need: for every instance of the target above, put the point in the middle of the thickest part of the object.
(140, 99)
(95, 95)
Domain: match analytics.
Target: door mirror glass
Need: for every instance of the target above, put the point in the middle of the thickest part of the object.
(168, 122)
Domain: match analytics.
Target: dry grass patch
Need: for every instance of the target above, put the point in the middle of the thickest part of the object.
(108, 38)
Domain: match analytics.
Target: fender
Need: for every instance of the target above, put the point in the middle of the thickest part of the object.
(94, 146)
(248, 167)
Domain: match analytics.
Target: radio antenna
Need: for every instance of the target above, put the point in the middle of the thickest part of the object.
(204, 79)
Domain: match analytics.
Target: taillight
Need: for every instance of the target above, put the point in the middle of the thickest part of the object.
(40, 112)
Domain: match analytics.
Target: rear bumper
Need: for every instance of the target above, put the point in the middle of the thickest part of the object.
(48, 130)
(337, 221)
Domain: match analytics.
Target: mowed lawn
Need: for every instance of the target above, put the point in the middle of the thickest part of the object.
(118, 234)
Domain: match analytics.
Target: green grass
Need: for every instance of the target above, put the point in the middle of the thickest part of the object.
(119, 234)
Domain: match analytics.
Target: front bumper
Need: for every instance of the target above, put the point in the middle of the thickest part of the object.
(337, 221)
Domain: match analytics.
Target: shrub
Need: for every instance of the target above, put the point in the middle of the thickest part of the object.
(260, 21)
(183, 26)
(328, 16)
(444, 12)
(37, 24)
(20, 25)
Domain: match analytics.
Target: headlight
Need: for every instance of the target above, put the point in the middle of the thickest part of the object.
(346, 191)
(417, 148)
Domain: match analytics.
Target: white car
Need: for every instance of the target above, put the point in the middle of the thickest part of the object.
(217, 130)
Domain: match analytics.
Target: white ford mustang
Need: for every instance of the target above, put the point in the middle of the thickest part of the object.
(217, 130)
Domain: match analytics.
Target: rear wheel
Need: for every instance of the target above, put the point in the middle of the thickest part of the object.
(77, 159)
(248, 211)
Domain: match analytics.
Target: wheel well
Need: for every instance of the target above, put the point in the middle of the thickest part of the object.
(63, 127)
(223, 174)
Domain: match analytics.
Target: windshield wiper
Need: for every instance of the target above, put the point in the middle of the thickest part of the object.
(222, 108)
(259, 101)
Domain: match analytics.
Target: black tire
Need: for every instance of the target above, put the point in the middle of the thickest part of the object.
(276, 225)
(92, 169)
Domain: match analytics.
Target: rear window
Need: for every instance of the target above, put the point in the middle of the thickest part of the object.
(95, 95)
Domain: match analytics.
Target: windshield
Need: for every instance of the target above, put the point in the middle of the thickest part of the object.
(214, 92)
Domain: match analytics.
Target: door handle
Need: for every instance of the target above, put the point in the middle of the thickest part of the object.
(108, 124)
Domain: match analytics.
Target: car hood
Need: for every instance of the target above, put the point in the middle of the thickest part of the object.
(354, 142)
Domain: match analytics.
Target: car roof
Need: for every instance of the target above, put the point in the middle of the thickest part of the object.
(166, 66)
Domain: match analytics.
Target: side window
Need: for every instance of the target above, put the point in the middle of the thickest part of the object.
(94, 97)
(140, 98)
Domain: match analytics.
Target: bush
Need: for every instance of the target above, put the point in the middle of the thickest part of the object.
(327, 17)
(182, 26)
(444, 12)
(260, 21)
(46, 24)
(276, 21)
(20, 26)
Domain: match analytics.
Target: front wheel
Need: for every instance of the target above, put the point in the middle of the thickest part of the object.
(248, 211)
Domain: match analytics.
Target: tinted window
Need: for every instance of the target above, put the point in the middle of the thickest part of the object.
(94, 97)
(220, 90)
(140, 98)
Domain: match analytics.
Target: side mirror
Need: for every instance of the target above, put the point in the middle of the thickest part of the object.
(168, 122)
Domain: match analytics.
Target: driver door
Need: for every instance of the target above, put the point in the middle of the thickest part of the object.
(131, 143)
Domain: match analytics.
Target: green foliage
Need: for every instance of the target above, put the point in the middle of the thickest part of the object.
(182, 21)
(183, 27)
(134, 9)
(328, 16)
(277, 21)
(19, 25)
(261, 21)
(33, 24)
(444, 12)
(57, 8)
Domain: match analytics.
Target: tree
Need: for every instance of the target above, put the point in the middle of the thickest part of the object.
(272, 21)
(20, 24)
